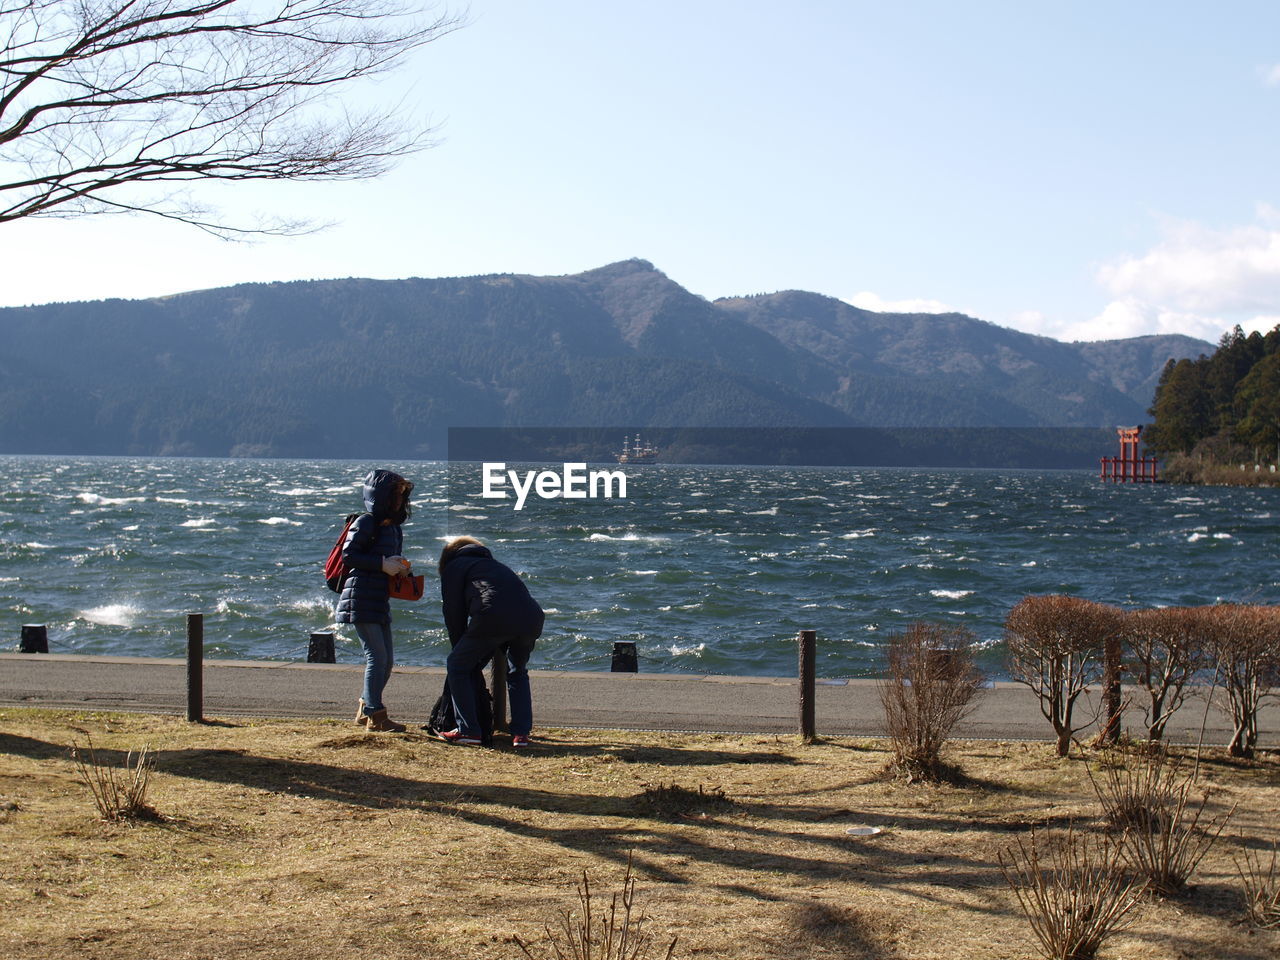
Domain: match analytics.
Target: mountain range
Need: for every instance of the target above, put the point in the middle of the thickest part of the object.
(380, 368)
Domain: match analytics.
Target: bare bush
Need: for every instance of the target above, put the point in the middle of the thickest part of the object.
(933, 684)
(1163, 837)
(1072, 890)
(1133, 796)
(119, 793)
(1261, 881)
(1054, 645)
(596, 934)
(1164, 653)
(1245, 644)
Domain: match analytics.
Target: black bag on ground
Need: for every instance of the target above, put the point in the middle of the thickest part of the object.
(443, 718)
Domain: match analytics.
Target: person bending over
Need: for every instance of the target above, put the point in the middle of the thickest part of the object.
(486, 607)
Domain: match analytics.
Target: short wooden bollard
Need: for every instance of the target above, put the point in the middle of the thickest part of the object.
(35, 638)
(320, 649)
(498, 681)
(808, 682)
(195, 667)
(625, 658)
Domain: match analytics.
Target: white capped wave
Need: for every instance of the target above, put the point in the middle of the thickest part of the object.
(200, 522)
(951, 594)
(642, 573)
(97, 500)
(112, 615)
(627, 537)
(1196, 537)
(314, 604)
(771, 512)
(859, 534)
(695, 650)
(299, 492)
(181, 501)
(280, 522)
(37, 545)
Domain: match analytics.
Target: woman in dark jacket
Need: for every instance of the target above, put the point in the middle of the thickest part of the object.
(486, 607)
(372, 553)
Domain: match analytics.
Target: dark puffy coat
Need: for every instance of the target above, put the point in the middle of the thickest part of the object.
(479, 593)
(364, 595)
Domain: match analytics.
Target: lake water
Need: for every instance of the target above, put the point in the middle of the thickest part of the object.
(707, 569)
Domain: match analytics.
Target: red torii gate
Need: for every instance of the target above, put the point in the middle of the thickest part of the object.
(1129, 467)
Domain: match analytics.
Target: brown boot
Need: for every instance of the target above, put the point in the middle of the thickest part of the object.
(362, 718)
(379, 721)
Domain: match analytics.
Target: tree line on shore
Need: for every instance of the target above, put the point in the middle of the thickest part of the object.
(1218, 410)
(1061, 646)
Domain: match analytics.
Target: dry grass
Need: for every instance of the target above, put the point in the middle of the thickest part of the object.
(301, 840)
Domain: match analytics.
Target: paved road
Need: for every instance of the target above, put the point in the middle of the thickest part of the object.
(561, 699)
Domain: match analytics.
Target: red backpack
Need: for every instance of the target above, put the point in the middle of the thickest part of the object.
(335, 568)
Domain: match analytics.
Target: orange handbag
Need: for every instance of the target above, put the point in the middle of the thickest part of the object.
(405, 587)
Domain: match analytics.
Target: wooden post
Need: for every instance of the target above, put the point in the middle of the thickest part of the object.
(808, 670)
(498, 674)
(35, 638)
(195, 667)
(625, 658)
(320, 649)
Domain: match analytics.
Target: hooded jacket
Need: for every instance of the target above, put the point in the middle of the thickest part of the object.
(364, 595)
(479, 594)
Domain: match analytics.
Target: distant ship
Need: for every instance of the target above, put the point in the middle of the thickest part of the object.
(637, 451)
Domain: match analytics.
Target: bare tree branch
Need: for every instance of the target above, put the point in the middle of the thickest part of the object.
(98, 97)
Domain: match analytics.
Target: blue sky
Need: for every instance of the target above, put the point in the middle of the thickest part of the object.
(1082, 170)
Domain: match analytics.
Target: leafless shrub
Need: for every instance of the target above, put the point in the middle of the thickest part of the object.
(119, 793)
(933, 684)
(1164, 653)
(1245, 644)
(594, 934)
(1072, 890)
(1133, 796)
(1163, 839)
(1054, 645)
(1261, 881)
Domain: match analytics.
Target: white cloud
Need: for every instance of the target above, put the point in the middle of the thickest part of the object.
(1130, 317)
(866, 300)
(1119, 320)
(1197, 280)
(1196, 269)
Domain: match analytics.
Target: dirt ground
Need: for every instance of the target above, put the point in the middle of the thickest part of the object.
(312, 839)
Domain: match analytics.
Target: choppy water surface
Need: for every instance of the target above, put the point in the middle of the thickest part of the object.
(708, 569)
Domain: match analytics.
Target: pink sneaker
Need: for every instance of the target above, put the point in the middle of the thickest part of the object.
(519, 741)
(457, 739)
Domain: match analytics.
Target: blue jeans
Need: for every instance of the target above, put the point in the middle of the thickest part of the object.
(472, 650)
(379, 659)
